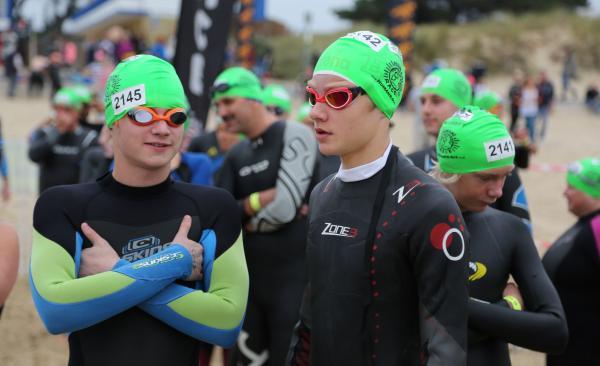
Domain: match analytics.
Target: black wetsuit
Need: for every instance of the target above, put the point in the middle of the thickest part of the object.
(140, 312)
(573, 264)
(209, 145)
(513, 198)
(59, 155)
(387, 260)
(501, 246)
(328, 165)
(94, 164)
(284, 157)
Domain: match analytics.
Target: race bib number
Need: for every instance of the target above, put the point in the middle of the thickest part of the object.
(432, 81)
(499, 149)
(368, 38)
(128, 98)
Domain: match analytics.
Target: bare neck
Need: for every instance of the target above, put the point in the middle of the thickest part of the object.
(137, 176)
(367, 153)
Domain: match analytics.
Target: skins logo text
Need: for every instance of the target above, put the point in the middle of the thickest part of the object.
(143, 247)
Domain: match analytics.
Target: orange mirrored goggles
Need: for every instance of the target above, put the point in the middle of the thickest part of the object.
(144, 116)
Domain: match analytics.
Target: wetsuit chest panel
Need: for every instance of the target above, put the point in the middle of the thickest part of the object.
(489, 267)
(134, 243)
(256, 162)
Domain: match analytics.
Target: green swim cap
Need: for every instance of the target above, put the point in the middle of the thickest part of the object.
(487, 100)
(584, 175)
(85, 95)
(67, 97)
(449, 84)
(142, 80)
(369, 60)
(473, 140)
(236, 82)
(276, 95)
(303, 112)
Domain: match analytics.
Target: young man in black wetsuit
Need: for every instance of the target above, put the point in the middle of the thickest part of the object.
(573, 264)
(387, 252)
(136, 267)
(475, 154)
(443, 92)
(270, 174)
(59, 146)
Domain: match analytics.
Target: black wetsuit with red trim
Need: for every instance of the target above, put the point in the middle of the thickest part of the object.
(573, 264)
(501, 245)
(387, 266)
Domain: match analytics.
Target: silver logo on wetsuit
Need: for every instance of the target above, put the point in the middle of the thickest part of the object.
(254, 168)
(143, 247)
(338, 230)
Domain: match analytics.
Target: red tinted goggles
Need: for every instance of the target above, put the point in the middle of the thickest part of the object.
(144, 116)
(336, 98)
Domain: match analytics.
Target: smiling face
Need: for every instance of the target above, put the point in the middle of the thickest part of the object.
(475, 191)
(352, 131)
(237, 113)
(145, 147)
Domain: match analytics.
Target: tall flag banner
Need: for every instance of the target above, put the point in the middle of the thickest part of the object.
(200, 52)
(401, 23)
(245, 30)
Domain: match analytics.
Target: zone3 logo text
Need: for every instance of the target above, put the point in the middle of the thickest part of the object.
(338, 230)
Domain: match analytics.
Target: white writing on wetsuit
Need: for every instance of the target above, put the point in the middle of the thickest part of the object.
(254, 168)
(65, 150)
(338, 230)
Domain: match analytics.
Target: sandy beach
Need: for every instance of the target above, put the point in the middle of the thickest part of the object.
(573, 133)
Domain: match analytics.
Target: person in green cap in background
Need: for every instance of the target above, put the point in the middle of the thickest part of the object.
(573, 264)
(475, 156)
(443, 92)
(328, 164)
(270, 173)
(387, 252)
(492, 102)
(60, 143)
(135, 255)
(277, 100)
(87, 105)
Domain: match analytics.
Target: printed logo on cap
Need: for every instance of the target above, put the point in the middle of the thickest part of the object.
(448, 142)
(393, 77)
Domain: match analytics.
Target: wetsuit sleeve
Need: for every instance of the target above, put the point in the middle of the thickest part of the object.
(41, 142)
(299, 353)
(67, 303)
(296, 169)
(214, 315)
(514, 200)
(439, 255)
(3, 168)
(3, 165)
(541, 326)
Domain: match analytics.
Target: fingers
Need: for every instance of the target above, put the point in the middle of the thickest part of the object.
(92, 235)
(184, 229)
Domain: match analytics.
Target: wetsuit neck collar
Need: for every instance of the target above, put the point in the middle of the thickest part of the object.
(365, 171)
(109, 183)
(590, 215)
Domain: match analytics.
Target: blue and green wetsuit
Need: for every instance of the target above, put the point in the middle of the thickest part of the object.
(140, 312)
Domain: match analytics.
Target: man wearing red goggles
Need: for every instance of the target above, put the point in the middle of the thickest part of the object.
(385, 252)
